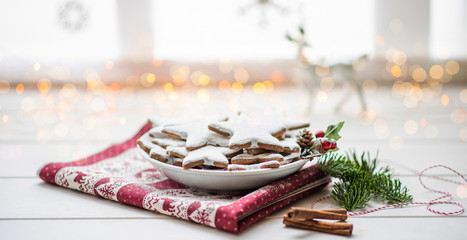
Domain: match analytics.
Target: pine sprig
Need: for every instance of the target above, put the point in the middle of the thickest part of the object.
(360, 180)
(391, 189)
(351, 195)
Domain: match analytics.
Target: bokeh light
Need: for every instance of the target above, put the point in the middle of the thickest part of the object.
(259, 88)
(418, 74)
(277, 76)
(224, 85)
(204, 80)
(452, 67)
(444, 99)
(458, 115)
(237, 87)
(36, 67)
(225, 66)
(411, 127)
(463, 95)
(19, 89)
(322, 96)
(44, 85)
(396, 71)
(241, 75)
(436, 72)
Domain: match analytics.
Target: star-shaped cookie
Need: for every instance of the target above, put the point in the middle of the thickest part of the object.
(290, 145)
(251, 159)
(156, 152)
(207, 155)
(196, 134)
(239, 167)
(245, 135)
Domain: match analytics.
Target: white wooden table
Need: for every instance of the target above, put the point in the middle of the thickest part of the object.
(35, 130)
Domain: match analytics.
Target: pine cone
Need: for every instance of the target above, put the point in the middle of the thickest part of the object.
(304, 139)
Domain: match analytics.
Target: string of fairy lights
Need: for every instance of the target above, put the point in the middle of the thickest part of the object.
(412, 84)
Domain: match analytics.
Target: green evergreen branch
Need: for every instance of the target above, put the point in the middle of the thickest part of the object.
(360, 180)
(351, 195)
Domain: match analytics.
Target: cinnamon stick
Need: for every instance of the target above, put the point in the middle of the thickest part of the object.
(321, 224)
(332, 214)
(344, 229)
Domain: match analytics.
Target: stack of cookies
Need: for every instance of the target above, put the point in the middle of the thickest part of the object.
(234, 144)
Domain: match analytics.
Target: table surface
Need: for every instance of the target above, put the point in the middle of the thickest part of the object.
(67, 124)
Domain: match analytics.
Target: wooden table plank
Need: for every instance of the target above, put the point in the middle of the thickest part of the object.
(364, 228)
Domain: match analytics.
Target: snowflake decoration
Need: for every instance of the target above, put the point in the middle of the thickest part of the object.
(73, 15)
(107, 191)
(202, 217)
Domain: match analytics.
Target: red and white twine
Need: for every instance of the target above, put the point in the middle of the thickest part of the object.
(428, 204)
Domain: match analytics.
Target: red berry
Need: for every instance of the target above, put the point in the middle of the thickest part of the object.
(325, 143)
(319, 134)
(333, 144)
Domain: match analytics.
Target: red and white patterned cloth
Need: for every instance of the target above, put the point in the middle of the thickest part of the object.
(120, 174)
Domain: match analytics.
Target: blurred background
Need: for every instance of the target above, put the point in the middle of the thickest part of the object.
(73, 68)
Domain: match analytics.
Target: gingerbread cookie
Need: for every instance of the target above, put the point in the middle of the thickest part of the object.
(291, 158)
(290, 145)
(160, 154)
(208, 155)
(256, 151)
(296, 125)
(156, 132)
(196, 134)
(245, 135)
(239, 167)
(179, 152)
(175, 161)
(165, 142)
(145, 143)
(250, 159)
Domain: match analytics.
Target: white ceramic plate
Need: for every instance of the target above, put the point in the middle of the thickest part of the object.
(221, 179)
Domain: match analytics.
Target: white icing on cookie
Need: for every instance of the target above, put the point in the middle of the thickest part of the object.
(246, 134)
(210, 155)
(165, 142)
(237, 167)
(290, 145)
(291, 158)
(145, 143)
(180, 152)
(175, 161)
(159, 153)
(156, 132)
(246, 158)
(196, 135)
(292, 133)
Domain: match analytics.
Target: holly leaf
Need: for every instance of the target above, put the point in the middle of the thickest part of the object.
(332, 132)
(333, 150)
